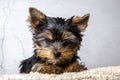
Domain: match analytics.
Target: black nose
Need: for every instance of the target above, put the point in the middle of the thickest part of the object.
(57, 54)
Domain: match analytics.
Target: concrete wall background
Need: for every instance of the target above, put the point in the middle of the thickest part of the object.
(101, 43)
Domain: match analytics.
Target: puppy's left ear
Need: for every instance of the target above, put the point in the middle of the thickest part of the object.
(80, 22)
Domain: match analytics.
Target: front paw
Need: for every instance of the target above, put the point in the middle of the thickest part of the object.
(43, 68)
(75, 67)
(37, 67)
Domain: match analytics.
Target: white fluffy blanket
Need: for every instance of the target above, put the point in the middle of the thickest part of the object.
(104, 73)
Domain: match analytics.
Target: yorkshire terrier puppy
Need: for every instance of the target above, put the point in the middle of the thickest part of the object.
(56, 42)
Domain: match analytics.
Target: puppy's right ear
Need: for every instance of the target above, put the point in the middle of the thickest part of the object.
(81, 22)
(36, 18)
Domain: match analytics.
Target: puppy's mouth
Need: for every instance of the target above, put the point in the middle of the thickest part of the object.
(55, 61)
(58, 61)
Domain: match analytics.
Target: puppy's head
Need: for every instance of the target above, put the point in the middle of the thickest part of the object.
(56, 40)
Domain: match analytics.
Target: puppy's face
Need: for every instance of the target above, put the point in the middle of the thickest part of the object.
(56, 40)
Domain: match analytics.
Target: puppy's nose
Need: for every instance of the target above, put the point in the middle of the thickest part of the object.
(57, 54)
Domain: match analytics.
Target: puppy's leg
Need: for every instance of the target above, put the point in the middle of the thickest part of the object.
(75, 67)
(44, 68)
(26, 65)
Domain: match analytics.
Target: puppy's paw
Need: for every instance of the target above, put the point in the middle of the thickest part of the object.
(43, 68)
(37, 67)
(75, 67)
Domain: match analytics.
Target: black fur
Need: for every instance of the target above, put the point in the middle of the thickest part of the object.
(27, 64)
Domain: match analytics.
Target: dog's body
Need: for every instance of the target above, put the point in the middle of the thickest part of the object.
(56, 43)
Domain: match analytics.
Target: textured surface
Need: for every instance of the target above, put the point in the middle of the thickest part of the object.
(105, 73)
(100, 43)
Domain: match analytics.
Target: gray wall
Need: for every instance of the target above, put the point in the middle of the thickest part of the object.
(101, 43)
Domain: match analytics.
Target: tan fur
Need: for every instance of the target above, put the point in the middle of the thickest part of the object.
(75, 67)
(45, 53)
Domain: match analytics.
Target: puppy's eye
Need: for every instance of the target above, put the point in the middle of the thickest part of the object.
(42, 42)
(67, 43)
(48, 40)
